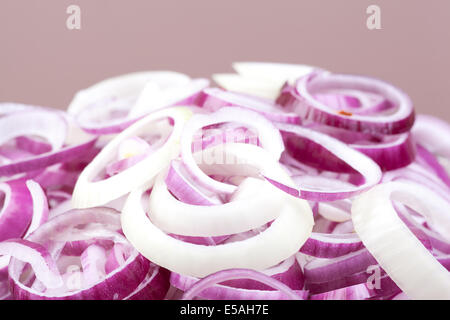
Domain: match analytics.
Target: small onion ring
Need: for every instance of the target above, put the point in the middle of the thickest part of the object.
(88, 194)
(257, 205)
(301, 100)
(281, 240)
(268, 135)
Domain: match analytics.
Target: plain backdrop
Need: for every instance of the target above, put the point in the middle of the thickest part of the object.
(44, 63)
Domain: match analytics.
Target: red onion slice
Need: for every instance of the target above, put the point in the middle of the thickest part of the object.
(17, 210)
(183, 188)
(186, 94)
(114, 104)
(288, 272)
(37, 256)
(389, 152)
(429, 132)
(227, 275)
(82, 225)
(355, 292)
(93, 261)
(433, 163)
(301, 100)
(123, 86)
(255, 202)
(356, 160)
(331, 245)
(154, 286)
(267, 134)
(40, 206)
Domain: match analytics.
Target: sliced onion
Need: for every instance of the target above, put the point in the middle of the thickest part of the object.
(281, 240)
(124, 85)
(390, 152)
(288, 272)
(300, 99)
(48, 125)
(254, 203)
(379, 226)
(76, 226)
(185, 94)
(216, 98)
(88, 193)
(430, 131)
(154, 286)
(40, 206)
(232, 274)
(114, 104)
(331, 245)
(17, 210)
(268, 135)
(184, 189)
(355, 292)
(37, 256)
(356, 160)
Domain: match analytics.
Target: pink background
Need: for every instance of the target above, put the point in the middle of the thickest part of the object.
(42, 62)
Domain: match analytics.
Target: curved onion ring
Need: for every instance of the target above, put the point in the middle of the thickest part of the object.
(226, 275)
(281, 240)
(358, 161)
(89, 194)
(123, 86)
(268, 135)
(301, 100)
(16, 212)
(254, 203)
(64, 229)
(379, 226)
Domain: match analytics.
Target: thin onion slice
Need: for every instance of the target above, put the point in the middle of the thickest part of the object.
(300, 99)
(254, 203)
(378, 225)
(267, 134)
(358, 161)
(17, 211)
(232, 274)
(216, 98)
(88, 193)
(278, 242)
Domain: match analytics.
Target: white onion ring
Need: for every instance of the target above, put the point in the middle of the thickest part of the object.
(412, 267)
(255, 201)
(281, 240)
(88, 194)
(268, 135)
